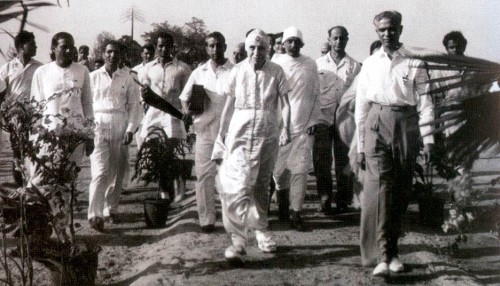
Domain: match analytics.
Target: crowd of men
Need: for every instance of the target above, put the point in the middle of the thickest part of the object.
(267, 116)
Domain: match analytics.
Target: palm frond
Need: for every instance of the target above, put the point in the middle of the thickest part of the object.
(470, 115)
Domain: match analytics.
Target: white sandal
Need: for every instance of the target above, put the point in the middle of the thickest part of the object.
(267, 245)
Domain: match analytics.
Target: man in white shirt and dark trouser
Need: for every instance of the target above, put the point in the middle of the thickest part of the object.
(337, 71)
(18, 75)
(117, 114)
(391, 102)
(213, 76)
(292, 165)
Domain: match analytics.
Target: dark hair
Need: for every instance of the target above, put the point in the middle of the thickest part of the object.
(148, 47)
(217, 36)
(166, 36)
(56, 38)
(394, 16)
(22, 38)
(278, 35)
(375, 45)
(116, 43)
(83, 48)
(456, 36)
(342, 28)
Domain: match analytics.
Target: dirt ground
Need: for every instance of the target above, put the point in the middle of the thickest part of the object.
(180, 254)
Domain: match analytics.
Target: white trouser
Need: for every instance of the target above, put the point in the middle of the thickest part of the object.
(205, 169)
(108, 164)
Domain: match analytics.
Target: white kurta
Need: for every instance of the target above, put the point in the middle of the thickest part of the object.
(206, 126)
(250, 146)
(116, 107)
(292, 165)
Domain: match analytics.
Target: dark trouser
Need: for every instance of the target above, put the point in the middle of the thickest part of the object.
(322, 160)
(391, 148)
(345, 182)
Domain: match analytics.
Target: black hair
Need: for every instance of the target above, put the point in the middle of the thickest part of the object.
(342, 28)
(456, 36)
(22, 38)
(216, 35)
(394, 16)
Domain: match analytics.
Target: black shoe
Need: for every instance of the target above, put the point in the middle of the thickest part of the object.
(326, 206)
(209, 228)
(297, 223)
(114, 218)
(283, 205)
(97, 223)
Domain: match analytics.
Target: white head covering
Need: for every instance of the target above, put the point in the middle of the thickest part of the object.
(255, 37)
(292, 32)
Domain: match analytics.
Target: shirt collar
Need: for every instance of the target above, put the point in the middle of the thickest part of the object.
(342, 61)
(117, 72)
(174, 61)
(226, 66)
(401, 52)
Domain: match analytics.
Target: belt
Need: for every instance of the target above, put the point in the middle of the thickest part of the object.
(398, 108)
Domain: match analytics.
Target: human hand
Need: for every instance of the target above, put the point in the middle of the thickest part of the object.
(311, 130)
(127, 138)
(428, 152)
(285, 137)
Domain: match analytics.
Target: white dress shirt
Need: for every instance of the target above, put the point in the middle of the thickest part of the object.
(167, 82)
(401, 81)
(69, 87)
(334, 81)
(18, 78)
(119, 94)
(214, 83)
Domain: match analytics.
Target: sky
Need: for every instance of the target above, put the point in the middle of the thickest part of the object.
(425, 22)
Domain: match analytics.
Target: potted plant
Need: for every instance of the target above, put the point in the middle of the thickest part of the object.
(45, 203)
(161, 160)
(430, 204)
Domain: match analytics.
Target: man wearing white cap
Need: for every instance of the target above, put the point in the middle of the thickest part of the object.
(290, 172)
(336, 73)
(247, 145)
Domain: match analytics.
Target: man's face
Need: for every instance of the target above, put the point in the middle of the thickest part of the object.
(454, 48)
(215, 49)
(64, 52)
(111, 55)
(388, 33)
(257, 53)
(29, 48)
(239, 54)
(278, 46)
(83, 54)
(165, 48)
(147, 55)
(338, 40)
(292, 46)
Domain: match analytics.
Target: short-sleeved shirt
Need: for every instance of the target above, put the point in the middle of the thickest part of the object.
(18, 79)
(214, 82)
(334, 81)
(70, 88)
(168, 83)
(118, 94)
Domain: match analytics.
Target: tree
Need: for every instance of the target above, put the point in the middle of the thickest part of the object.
(99, 42)
(133, 50)
(189, 39)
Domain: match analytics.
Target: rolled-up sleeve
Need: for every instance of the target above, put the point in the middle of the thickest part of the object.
(425, 106)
